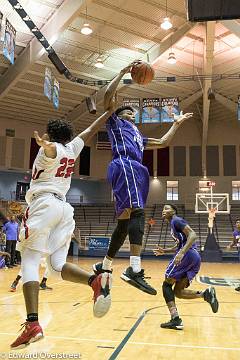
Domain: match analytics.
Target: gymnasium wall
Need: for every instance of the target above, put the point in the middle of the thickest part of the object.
(81, 190)
(223, 159)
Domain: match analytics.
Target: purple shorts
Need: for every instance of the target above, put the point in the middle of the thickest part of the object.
(188, 267)
(130, 183)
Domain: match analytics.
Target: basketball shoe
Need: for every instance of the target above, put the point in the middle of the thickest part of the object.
(98, 268)
(43, 286)
(137, 280)
(175, 324)
(32, 333)
(101, 285)
(211, 297)
(13, 287)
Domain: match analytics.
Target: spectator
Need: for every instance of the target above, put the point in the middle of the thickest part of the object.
(11, 229)
(236, 242)
(3, 255)
(2, 240)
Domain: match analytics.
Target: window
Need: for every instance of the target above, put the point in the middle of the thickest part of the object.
(172, 190)
(235, 190)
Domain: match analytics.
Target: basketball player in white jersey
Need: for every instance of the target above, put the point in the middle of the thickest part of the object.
(48, 223)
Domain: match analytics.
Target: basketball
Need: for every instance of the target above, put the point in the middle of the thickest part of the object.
(142, 73)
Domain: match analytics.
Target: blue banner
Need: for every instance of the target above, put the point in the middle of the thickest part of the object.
(135, 103)
(48, 84)
(55, 94)
(98, 243)
(169, 108)
(9, 42)
(151, 110)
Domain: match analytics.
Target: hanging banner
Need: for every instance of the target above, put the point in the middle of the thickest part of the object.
(48, 84)
(1, 17)
(169, 107)
(151, 110)
(55, 95)
(9, 42)
(238, 108)
(135, 103)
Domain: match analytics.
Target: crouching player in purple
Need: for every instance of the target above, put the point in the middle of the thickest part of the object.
(129, 179)
(182, 268)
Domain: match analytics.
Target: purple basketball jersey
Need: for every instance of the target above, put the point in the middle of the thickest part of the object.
(190, 264)
(128, 177)
(236, 235)
(177, 226)
(125, 138)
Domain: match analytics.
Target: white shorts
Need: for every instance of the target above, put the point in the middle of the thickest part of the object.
(47, 225)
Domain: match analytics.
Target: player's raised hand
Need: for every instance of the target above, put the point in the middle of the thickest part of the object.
(128, 68)
(42, 141)
(180, 118)
(49, 147)
(159, 251)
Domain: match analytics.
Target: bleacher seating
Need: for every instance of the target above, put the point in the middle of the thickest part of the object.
(100, 220)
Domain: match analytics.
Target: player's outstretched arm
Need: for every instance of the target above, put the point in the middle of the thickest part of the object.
(112, 86)
(166, 139)
(96, 125)
(161, 251)
(232, 244)
(48, 146)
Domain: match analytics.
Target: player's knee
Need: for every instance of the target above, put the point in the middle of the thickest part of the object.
(30, 272)
(168, 292)
(136, 227)
(178, 292)
(55, 268)
(121, 230)
(118, 237)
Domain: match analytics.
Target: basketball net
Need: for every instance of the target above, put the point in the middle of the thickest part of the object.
(211, 217)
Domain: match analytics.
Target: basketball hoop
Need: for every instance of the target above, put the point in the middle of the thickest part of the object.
(211, 217)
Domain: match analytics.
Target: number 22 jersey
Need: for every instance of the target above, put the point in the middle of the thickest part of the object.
(54, 175)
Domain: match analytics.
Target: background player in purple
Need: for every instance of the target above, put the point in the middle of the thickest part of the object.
(236, 242)
(130, 183)
(182, 268)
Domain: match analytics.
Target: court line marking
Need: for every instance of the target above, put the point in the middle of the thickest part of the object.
(137, 343)
(135, 326)
(21, 293)
(185, 346)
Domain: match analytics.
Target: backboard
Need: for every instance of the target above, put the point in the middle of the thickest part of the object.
(206, 202)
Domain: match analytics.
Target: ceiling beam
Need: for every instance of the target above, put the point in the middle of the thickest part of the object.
(60, 20)
(184, 104)
(228, 103)
(208, 69)
(232, 25)
(151, 56)
(157, 50)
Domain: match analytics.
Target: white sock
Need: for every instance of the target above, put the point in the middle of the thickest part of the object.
(135, 263)
(107, 264)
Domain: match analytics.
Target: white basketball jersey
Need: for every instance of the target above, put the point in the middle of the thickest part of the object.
(54, 175)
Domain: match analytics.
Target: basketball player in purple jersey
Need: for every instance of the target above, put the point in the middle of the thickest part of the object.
(236, 242)
(182, 268)
(130, 183)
